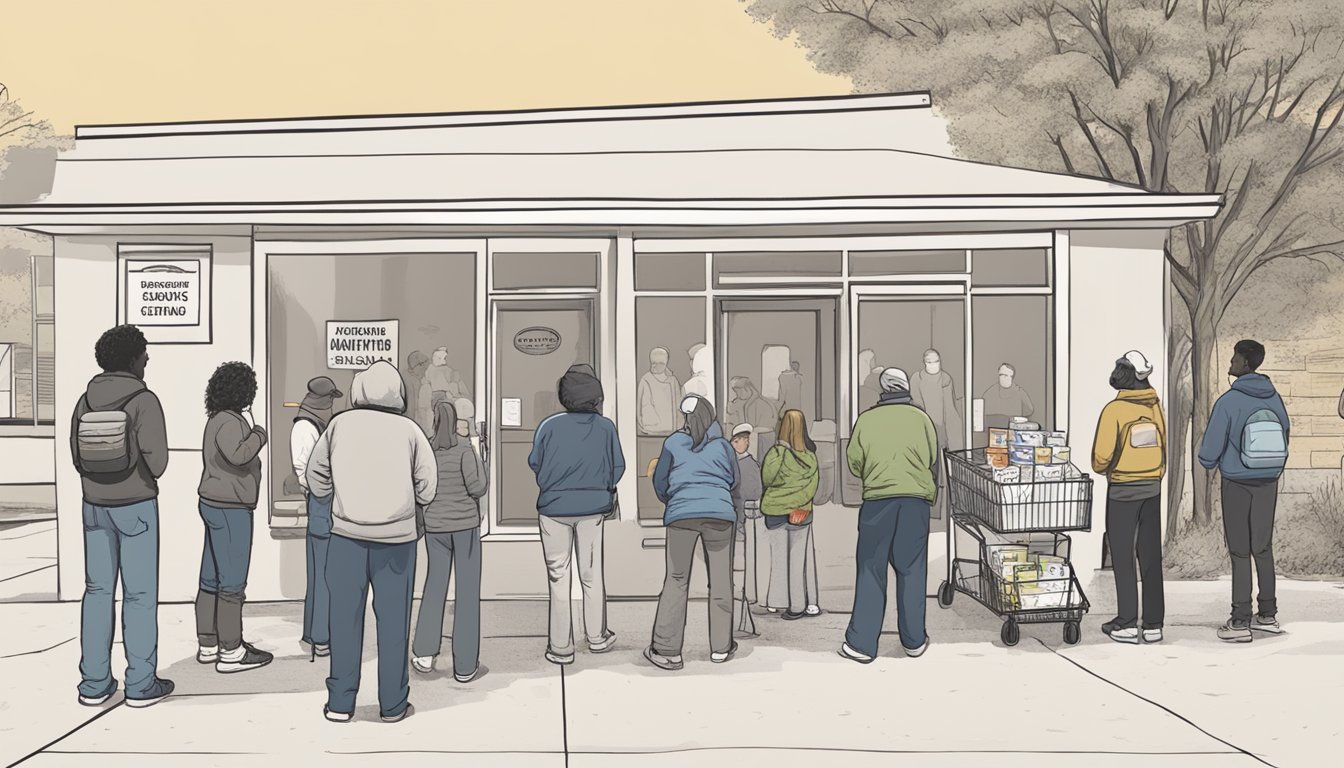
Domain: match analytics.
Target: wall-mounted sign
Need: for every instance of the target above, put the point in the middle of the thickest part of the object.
(357, 344)
(165, 291)
(537, 341)
(511, 412)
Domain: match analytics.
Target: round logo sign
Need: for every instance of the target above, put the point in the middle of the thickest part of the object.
(537, 341)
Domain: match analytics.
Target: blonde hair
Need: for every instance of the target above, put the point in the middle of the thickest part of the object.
(792, 431)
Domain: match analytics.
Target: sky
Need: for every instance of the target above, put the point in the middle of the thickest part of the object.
(82, 62)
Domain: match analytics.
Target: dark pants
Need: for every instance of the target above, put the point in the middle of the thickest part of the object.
(120, 541)
(225, 560)
(669, 625)
(1248, 522)
(317, 598)
(1136, 526)
(352, 566)
(892, 533)
(456, 553)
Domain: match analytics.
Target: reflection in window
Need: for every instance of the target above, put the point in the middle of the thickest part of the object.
(1012, 372)
(27, 329)
(672, 360)
(1022, 267)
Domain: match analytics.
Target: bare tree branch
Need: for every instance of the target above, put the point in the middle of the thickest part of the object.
(1097, 152)
(1058, 141)
(834, 7)
(1268, 257)
(18, 128)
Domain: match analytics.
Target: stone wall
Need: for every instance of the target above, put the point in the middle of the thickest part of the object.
(1309, 374)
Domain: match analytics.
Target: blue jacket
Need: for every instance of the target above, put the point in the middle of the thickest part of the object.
(577, 459)
(696, 484)
(1222, 440)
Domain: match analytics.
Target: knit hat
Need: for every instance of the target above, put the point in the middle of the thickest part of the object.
(894, 380)
(1141, 365)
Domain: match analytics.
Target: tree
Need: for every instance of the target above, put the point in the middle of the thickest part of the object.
(1236, 97)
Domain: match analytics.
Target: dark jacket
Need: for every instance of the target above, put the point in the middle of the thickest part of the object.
(231, 459)
(696, 482)
(578, 461)
(749, 487)
(462, 477)
(147, 440)
(1222, 440)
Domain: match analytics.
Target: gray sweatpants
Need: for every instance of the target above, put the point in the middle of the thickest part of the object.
(793, 567)
(1248, 522)
(460, 553)
(669, 626)
(561, 538)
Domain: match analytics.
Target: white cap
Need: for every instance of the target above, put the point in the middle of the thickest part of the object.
(1140, 363)
(688, 404)
(740, 428)
(894, 379)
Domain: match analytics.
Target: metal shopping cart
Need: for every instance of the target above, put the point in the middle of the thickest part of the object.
(1011, 523)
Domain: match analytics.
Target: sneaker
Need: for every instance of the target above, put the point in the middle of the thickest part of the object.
(405, 713)
(768, 609)
(719, 658)
(791, 616)
(608, 642)
(556, 658)
(100, 699)
(846, 652)
(1152, 635)
(241, 659)
(1266, 624)
(1111, 626)
(813, 610)
(321, 650)
(669, 663)
(337, 717)
(207, 654)
(467, 678)
(161, 690)
(915, 653)
(1235, 631)
(1128, 635)
(423, 664)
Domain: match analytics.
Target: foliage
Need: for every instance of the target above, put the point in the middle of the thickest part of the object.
(1235, 97)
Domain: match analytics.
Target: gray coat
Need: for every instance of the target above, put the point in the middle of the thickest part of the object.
(230, 455)
(749, 487)
(462, 483)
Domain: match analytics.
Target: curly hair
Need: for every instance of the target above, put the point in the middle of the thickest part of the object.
(119, 347)
(232, 387)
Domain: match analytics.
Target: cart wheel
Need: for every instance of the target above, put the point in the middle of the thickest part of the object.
(1010, 633)
(945, 594)
(1073, 632)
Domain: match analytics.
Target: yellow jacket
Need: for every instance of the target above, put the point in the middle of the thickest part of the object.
(1131, 441)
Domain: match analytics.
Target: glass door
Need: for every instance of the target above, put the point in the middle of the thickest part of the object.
(535, 340)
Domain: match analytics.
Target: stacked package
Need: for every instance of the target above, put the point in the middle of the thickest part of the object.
(1027, 580)
(1025, 453)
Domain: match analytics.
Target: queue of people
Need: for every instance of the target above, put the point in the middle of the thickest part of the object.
(375, 485)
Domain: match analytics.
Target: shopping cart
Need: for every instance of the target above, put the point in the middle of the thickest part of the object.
(999, 516)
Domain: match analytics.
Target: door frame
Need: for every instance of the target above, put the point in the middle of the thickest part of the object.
(959, 290)
(517, 300)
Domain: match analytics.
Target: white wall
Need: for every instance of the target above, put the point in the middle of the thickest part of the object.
(86, 280)
(26, 456)
(1117, 303)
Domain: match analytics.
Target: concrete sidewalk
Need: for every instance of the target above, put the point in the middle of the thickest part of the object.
(786, 700)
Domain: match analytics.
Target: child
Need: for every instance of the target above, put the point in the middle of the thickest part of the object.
(748, 489)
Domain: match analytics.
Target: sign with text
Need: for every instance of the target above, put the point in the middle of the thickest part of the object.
(163, 293)
(357, 344)
(537, 341)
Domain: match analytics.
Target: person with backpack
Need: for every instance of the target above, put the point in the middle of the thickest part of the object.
(230, 484)
(119, 443)
(1130, 450)
(315, 413)
(1247, 440)
(789, 474)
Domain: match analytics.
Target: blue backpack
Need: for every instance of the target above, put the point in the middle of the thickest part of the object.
(1264, 442)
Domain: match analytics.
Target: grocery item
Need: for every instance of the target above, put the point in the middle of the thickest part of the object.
(1056, 439)
(1022, 454)
(1061, 455)
(1034, 438)
(1049, 473)
(998, 438)
(1044, 455)
(1005, 475)
(997, 457)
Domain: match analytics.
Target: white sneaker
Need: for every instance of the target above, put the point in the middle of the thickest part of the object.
(915, 653)
(1152, 635)
(846, 652)
(207, 654)
(337, 717)
(771, 610)
(813, 610)
(1129, 635)
(608, 642)
(423, 664)
(556, 658)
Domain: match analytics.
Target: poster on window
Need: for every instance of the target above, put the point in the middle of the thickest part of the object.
(357, 344)
(165, 291)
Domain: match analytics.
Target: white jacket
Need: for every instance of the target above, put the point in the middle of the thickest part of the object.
(376, 462)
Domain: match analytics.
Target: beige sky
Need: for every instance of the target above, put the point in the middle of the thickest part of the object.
(87, 62)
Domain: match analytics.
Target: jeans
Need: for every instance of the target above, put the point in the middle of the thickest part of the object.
(892, 532)
(352, 566)
(317, 598)
(225, 559)
(793, 565)
(458, 553)
(1137, 526)
(120, 541)
(560, 538)
(1248, 522)
(669, 626)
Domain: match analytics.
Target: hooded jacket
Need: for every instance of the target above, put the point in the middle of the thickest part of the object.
(1222, 440)
(790, 478)
(462, 477)
(376, 462)
(1123, 463)
(576, 455)
(696, 482)
(893, 449)
(147, 440)
(231, 463)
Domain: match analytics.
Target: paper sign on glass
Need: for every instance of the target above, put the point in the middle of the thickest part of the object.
(511, 412)
(978, 415)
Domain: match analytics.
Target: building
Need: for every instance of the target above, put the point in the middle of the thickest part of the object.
(739, 238)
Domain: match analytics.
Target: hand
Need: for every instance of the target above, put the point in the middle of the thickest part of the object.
(247, 416)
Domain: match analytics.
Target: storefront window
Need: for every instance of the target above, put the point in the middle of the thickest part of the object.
(27, 330)
(672, 361)
(1012, 373)
(1013, 267)
(874, 263)
(669, 271)
(734, 270)
(526, 271)
(430, 296)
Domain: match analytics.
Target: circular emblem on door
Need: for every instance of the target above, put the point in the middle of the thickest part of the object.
(537, 341)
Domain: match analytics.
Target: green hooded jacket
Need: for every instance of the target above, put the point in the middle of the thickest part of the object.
(790, 478)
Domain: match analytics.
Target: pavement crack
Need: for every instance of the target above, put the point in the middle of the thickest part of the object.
(40, 650)
(66, 735)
